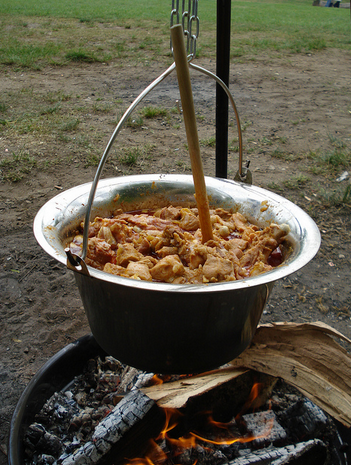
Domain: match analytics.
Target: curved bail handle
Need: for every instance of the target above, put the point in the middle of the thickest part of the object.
(243, 174)
(107, 151)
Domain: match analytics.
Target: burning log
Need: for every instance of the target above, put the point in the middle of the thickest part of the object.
(209, 388)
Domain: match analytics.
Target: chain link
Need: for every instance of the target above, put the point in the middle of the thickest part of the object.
(190, 22)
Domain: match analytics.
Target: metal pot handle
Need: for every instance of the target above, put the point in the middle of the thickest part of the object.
(243, 175)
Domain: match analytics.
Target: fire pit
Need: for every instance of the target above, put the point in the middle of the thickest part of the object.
(292, 430)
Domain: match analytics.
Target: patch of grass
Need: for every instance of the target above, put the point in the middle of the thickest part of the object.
(16, 166)
(245, 125)
(131, 156)
(266, 141)
(330, 162)
(337, 142)
(234, 145)
(298, 121)
(92, 160)
(54, 97)
(153, 112)
(347, 194)
(27, 55)
(3, 107)
(70, 125)
(102, 108)
(183, 166)
(50, 110)
(280, 154)
(210, 142)
(134, 122)
(295, 182)
(336, 196)
(82, 56)
(88, 30)
(275, 187)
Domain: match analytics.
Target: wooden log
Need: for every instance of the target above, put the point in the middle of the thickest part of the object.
(304, 355)
(307, 357)
(224, 389)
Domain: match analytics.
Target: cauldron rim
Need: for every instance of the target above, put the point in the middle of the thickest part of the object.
(48, 218)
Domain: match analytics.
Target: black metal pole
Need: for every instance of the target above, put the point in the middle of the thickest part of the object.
(222, 71)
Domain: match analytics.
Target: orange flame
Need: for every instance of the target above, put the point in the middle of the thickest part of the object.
(253, 399)
(155, 380)
(157, 456)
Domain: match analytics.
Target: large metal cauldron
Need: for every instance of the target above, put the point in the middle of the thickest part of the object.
(167, 328)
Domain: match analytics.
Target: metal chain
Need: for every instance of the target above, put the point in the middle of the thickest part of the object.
(190, 22)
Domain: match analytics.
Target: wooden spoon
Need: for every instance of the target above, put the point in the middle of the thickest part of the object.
(186, 96)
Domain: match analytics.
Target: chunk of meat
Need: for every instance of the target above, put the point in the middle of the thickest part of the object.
(139, 270)
(167, 250)
(99, 252)
(239, 221)
(198, 255)
(127, 253)
(121, 232)
(217, 269)
(188, 221)
(167, 269)
(169, 213)
(263, 244)
(115, 269)
(106, 234)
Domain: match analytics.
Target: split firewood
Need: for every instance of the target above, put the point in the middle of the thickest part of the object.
(176, 394)
(306, 356)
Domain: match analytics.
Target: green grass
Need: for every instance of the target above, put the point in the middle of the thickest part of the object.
(153, 112)
(210, 142)
(40, 33)
(130, 157)
(15, 166)
(295, 182)
(331, 162)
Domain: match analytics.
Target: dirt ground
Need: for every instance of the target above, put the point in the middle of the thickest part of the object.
(294, 105)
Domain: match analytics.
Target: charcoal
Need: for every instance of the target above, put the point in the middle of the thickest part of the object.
(45, 459)
(58, 408)
(102, 417)
(303, 419)
(313, 452)
(42, 442)
(264, 428)
(202, 455)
